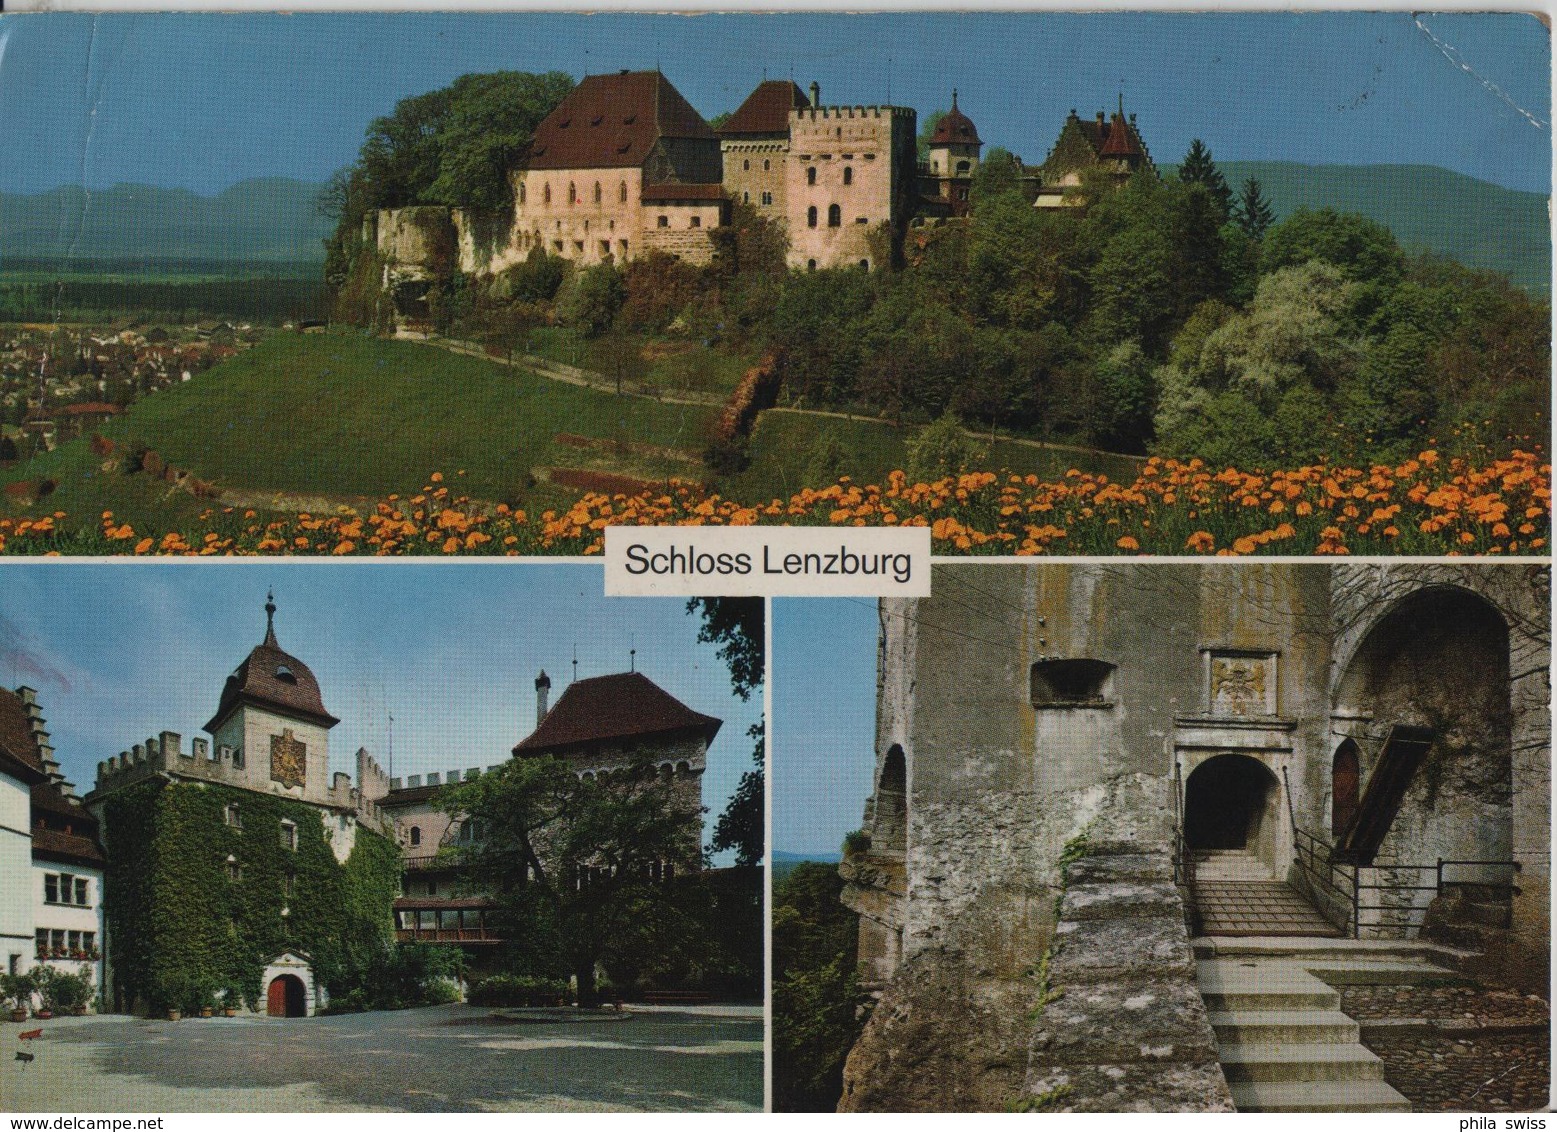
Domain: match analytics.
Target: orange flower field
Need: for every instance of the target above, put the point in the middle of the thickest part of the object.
(1427, 505)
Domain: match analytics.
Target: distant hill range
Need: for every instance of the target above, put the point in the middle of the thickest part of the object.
(254, 225)
(786, 863)
(1428, 208)
(267, 223)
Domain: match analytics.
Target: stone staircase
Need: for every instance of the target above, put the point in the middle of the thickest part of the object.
(1283, 1041)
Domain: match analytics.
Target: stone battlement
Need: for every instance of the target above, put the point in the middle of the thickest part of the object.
(825, 113)
(164, 755)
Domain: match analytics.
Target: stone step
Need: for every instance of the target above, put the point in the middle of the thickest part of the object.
(1383, 972)
(1317, 1096)
(1302, 950)
(1279, 1026)
(1230, 985)
(1300, 1061)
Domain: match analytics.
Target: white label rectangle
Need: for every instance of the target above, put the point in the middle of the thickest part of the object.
(767, 561)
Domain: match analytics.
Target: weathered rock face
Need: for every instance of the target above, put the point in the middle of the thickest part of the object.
(1125, 1029)
(1021, 706)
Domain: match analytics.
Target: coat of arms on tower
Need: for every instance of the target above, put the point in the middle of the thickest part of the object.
(288, 759)
(1242, 685)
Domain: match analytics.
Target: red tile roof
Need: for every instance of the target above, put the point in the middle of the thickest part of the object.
(626, 705)
(19, 754)
(955, 128)
(766, 110)
(683, 192)
(56, 845)
(1122, 141)
(262, 680)
(614, 121)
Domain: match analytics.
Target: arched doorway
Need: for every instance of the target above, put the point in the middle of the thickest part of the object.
(1232, 803)
(1345, 777)
(286, 997)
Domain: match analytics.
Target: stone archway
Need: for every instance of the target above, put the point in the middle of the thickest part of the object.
(1232, 803)
(286, 997)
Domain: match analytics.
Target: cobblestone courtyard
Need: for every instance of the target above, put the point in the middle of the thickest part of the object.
(437, 1059)
(1458, 1049)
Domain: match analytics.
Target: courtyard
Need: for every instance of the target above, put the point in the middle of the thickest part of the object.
(435, 1059)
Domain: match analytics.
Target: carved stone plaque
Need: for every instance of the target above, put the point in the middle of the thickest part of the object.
(288, 759)
(1242, 683)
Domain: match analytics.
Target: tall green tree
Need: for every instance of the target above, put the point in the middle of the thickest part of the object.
(1198, 168)
(485, 134)
(1253, 212)
(573, 864)
(738, 625)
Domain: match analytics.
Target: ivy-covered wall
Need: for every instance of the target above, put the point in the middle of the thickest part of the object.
(179, 924)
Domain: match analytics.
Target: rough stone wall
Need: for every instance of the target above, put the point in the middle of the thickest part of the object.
(753, 167)
(867, 141)
(418, 242)
(686, 231)
(574, 227)
(1123, 1027)
(1465, 650)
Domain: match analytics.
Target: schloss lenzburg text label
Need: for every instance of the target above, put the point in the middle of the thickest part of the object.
(777, 561)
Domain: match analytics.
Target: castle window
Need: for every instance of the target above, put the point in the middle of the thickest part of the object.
(848, 174)
(232, 817)
(765, 165)
(234, 870)
(862, 220)
(962, 168)
(572, 193)
(285, 674)
(605, 249)
(745, 198)
(811, 175)
(864, 265)
(834, 216)
(51, 888)
(1072, 683)
(597, 192)
(811, 217)
(662, 222)
(745, 165)
(621, 193)
(696, 222)
(546, 193)
(416, 835)
(767, 198)
(83, 892)
(622, 245)
(811, 263)
(289, 835)
(521, 192)
(288, 885)
(578, 247)
(556, 246)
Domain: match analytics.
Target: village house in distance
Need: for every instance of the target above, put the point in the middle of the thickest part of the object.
(625, 167)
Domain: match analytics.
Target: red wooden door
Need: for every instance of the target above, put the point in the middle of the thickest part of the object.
(276, 997)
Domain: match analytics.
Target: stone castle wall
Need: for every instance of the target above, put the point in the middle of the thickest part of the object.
(859, 160)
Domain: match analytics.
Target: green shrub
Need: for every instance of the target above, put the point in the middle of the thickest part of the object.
(518, 990)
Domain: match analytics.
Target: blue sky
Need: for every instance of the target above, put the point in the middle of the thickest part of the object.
(824, 720)
(201, 100)
(119, 653)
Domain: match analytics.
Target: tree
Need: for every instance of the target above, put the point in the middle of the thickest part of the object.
(1253, 212)
(589, 301)
(738, 626)
(942, 448)
(1199, 169)
(485, 134)
(932, 122)
(574, 864)
(1363, 249)
(998, 172)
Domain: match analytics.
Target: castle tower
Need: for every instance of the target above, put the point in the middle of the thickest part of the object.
(755, 146)
(954, 156)
(271, 723)
(850, 183)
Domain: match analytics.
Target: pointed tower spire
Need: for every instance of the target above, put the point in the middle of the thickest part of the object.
(954, 98)
(270, 619)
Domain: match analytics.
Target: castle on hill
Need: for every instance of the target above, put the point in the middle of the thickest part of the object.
(625, 167)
